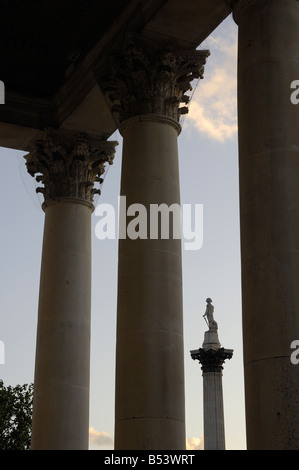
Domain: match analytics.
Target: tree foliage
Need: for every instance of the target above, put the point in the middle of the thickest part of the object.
(15, 416)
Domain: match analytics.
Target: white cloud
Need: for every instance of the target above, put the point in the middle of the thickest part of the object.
(194, 443)
(105, 441)
(213, 108)
(100, 439)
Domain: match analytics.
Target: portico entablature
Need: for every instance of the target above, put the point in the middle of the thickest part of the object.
(76, 103)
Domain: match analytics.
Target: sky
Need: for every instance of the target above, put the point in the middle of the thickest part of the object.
(208, 160)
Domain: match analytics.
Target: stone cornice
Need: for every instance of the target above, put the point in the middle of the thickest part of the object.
(144, 79)
(68, 165)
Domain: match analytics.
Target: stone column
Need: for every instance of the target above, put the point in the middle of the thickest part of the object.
(212, 357)
(68, 165)
(214, 432)
(269, 208)
(146, 87)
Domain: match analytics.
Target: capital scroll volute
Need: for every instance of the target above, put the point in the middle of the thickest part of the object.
(143, 78)
(68, 164)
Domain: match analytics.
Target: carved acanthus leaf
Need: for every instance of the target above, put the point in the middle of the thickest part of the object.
(142, 79)
(69, 164)
(212, 360)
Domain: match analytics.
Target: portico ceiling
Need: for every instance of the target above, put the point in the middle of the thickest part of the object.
(48, 50)
(40, 40)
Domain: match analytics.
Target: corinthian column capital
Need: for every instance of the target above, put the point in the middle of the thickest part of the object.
(142, 79)
(68, 164)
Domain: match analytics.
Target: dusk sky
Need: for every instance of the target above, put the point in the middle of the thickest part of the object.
(208, 157)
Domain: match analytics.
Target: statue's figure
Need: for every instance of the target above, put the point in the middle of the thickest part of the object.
(209, 315)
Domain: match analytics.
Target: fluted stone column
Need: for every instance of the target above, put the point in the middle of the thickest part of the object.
(214, 432)
(212, 359)
(68, 165)
(146, 87)
(268, 63)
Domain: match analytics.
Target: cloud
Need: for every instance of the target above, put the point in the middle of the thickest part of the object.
(101, 439)
(194, 443)
(104, 440)
(213, 108)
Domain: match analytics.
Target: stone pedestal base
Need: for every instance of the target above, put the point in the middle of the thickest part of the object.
(211, 340)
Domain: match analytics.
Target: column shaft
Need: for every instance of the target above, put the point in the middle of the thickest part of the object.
(68, 164)
(149, 358)
(269, 208)
(214, 435)
(61, 384)
(212, 357)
